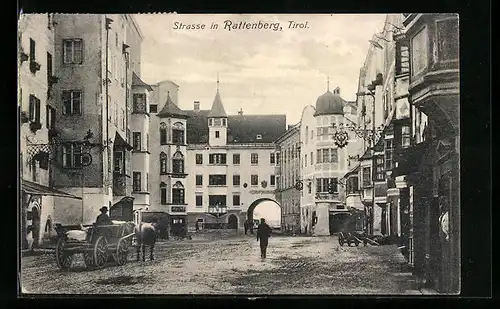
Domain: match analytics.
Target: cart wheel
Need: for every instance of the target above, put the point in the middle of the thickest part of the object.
(100, 251)
(63, 259)
(122, 251)
(341, 242)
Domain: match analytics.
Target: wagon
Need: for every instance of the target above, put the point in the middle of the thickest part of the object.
(98, 244)
(351, 231)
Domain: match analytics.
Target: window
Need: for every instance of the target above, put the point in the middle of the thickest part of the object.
(419, 52)
(277, 158)
(447, 38)
(402, 57)
(163, 133)
(211, 122)
(73, 51)
(367, 176)
(139, 100)
(388, 154)
(72, 102)
(217, 180)
(34, 109)
(254, 180)
(254, 158)
(163, 163)
(163, 193)
(305, 160)
(137, 140)
(217, 134)
(272, 158)
(49, 69)
(258, 137)
(236, 200)
(323, 184)
(50, 118)
(32, 50)
(236, 180)
(217, 158)
(199, 200)
(224, 122)
(178, 163)
(147, 182)
(147, 142)
(178, 133)
(199, 180)
(153, 108)
(312, 158)
(199, 158)
(178, 193)
(119, 162)
(379, 169)
(352, 185)
(405, 136)
(136, 181)
(72, 155)
(307, 134)
(334, 155)
(236, 158)
(273, 180)
(217, 200)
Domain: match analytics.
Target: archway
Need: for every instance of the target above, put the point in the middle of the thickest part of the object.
(232, 222)
(251, 208)
(35, 225)
(338, 221)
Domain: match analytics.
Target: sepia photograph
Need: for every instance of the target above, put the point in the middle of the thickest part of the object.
(239, 154)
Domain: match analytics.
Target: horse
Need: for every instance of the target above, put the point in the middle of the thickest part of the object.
(146, 235)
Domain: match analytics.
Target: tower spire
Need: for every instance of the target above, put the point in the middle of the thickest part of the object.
(328, 83)
(217, 81)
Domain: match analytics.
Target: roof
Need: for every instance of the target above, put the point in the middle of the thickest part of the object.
(171, 110)
(137, 82)
(241, 128)
(37, 189)
(289, 132)
(217, 107)
(329, 104)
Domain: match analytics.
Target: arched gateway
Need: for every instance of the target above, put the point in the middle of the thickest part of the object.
(255, 203)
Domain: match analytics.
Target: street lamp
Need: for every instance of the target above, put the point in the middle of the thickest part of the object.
(217, 211)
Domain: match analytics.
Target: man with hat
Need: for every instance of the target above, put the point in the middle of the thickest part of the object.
(103, 218)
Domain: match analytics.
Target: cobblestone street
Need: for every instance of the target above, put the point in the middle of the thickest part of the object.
(295, 265)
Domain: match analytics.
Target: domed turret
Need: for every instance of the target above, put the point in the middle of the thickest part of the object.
(330, 103)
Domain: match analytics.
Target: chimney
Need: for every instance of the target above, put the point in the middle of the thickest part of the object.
(196, 105)
(240, 112)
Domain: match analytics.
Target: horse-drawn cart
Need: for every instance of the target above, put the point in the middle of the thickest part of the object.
(98, 244)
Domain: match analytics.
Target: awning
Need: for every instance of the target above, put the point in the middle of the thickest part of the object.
(354, 170)
(409, 160)
(37, 189)
(125, 200)
(119, 141)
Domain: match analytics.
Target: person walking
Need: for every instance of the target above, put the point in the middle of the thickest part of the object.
(245, 225)
(263, 234)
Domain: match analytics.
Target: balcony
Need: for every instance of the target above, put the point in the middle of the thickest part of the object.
(434, 77)
(326, 197)
(177, 209)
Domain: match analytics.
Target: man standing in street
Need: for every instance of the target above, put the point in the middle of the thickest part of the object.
(263, 234)
(245, 225)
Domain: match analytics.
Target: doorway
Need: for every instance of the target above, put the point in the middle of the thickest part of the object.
(232, 222)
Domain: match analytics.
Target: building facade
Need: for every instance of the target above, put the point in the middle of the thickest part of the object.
(36, 79)
(428, 174)
(323, 164)
(96, 58)
(232, 164)
(287, 177)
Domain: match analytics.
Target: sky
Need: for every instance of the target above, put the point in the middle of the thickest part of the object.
(269, 211)
(260, 71)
